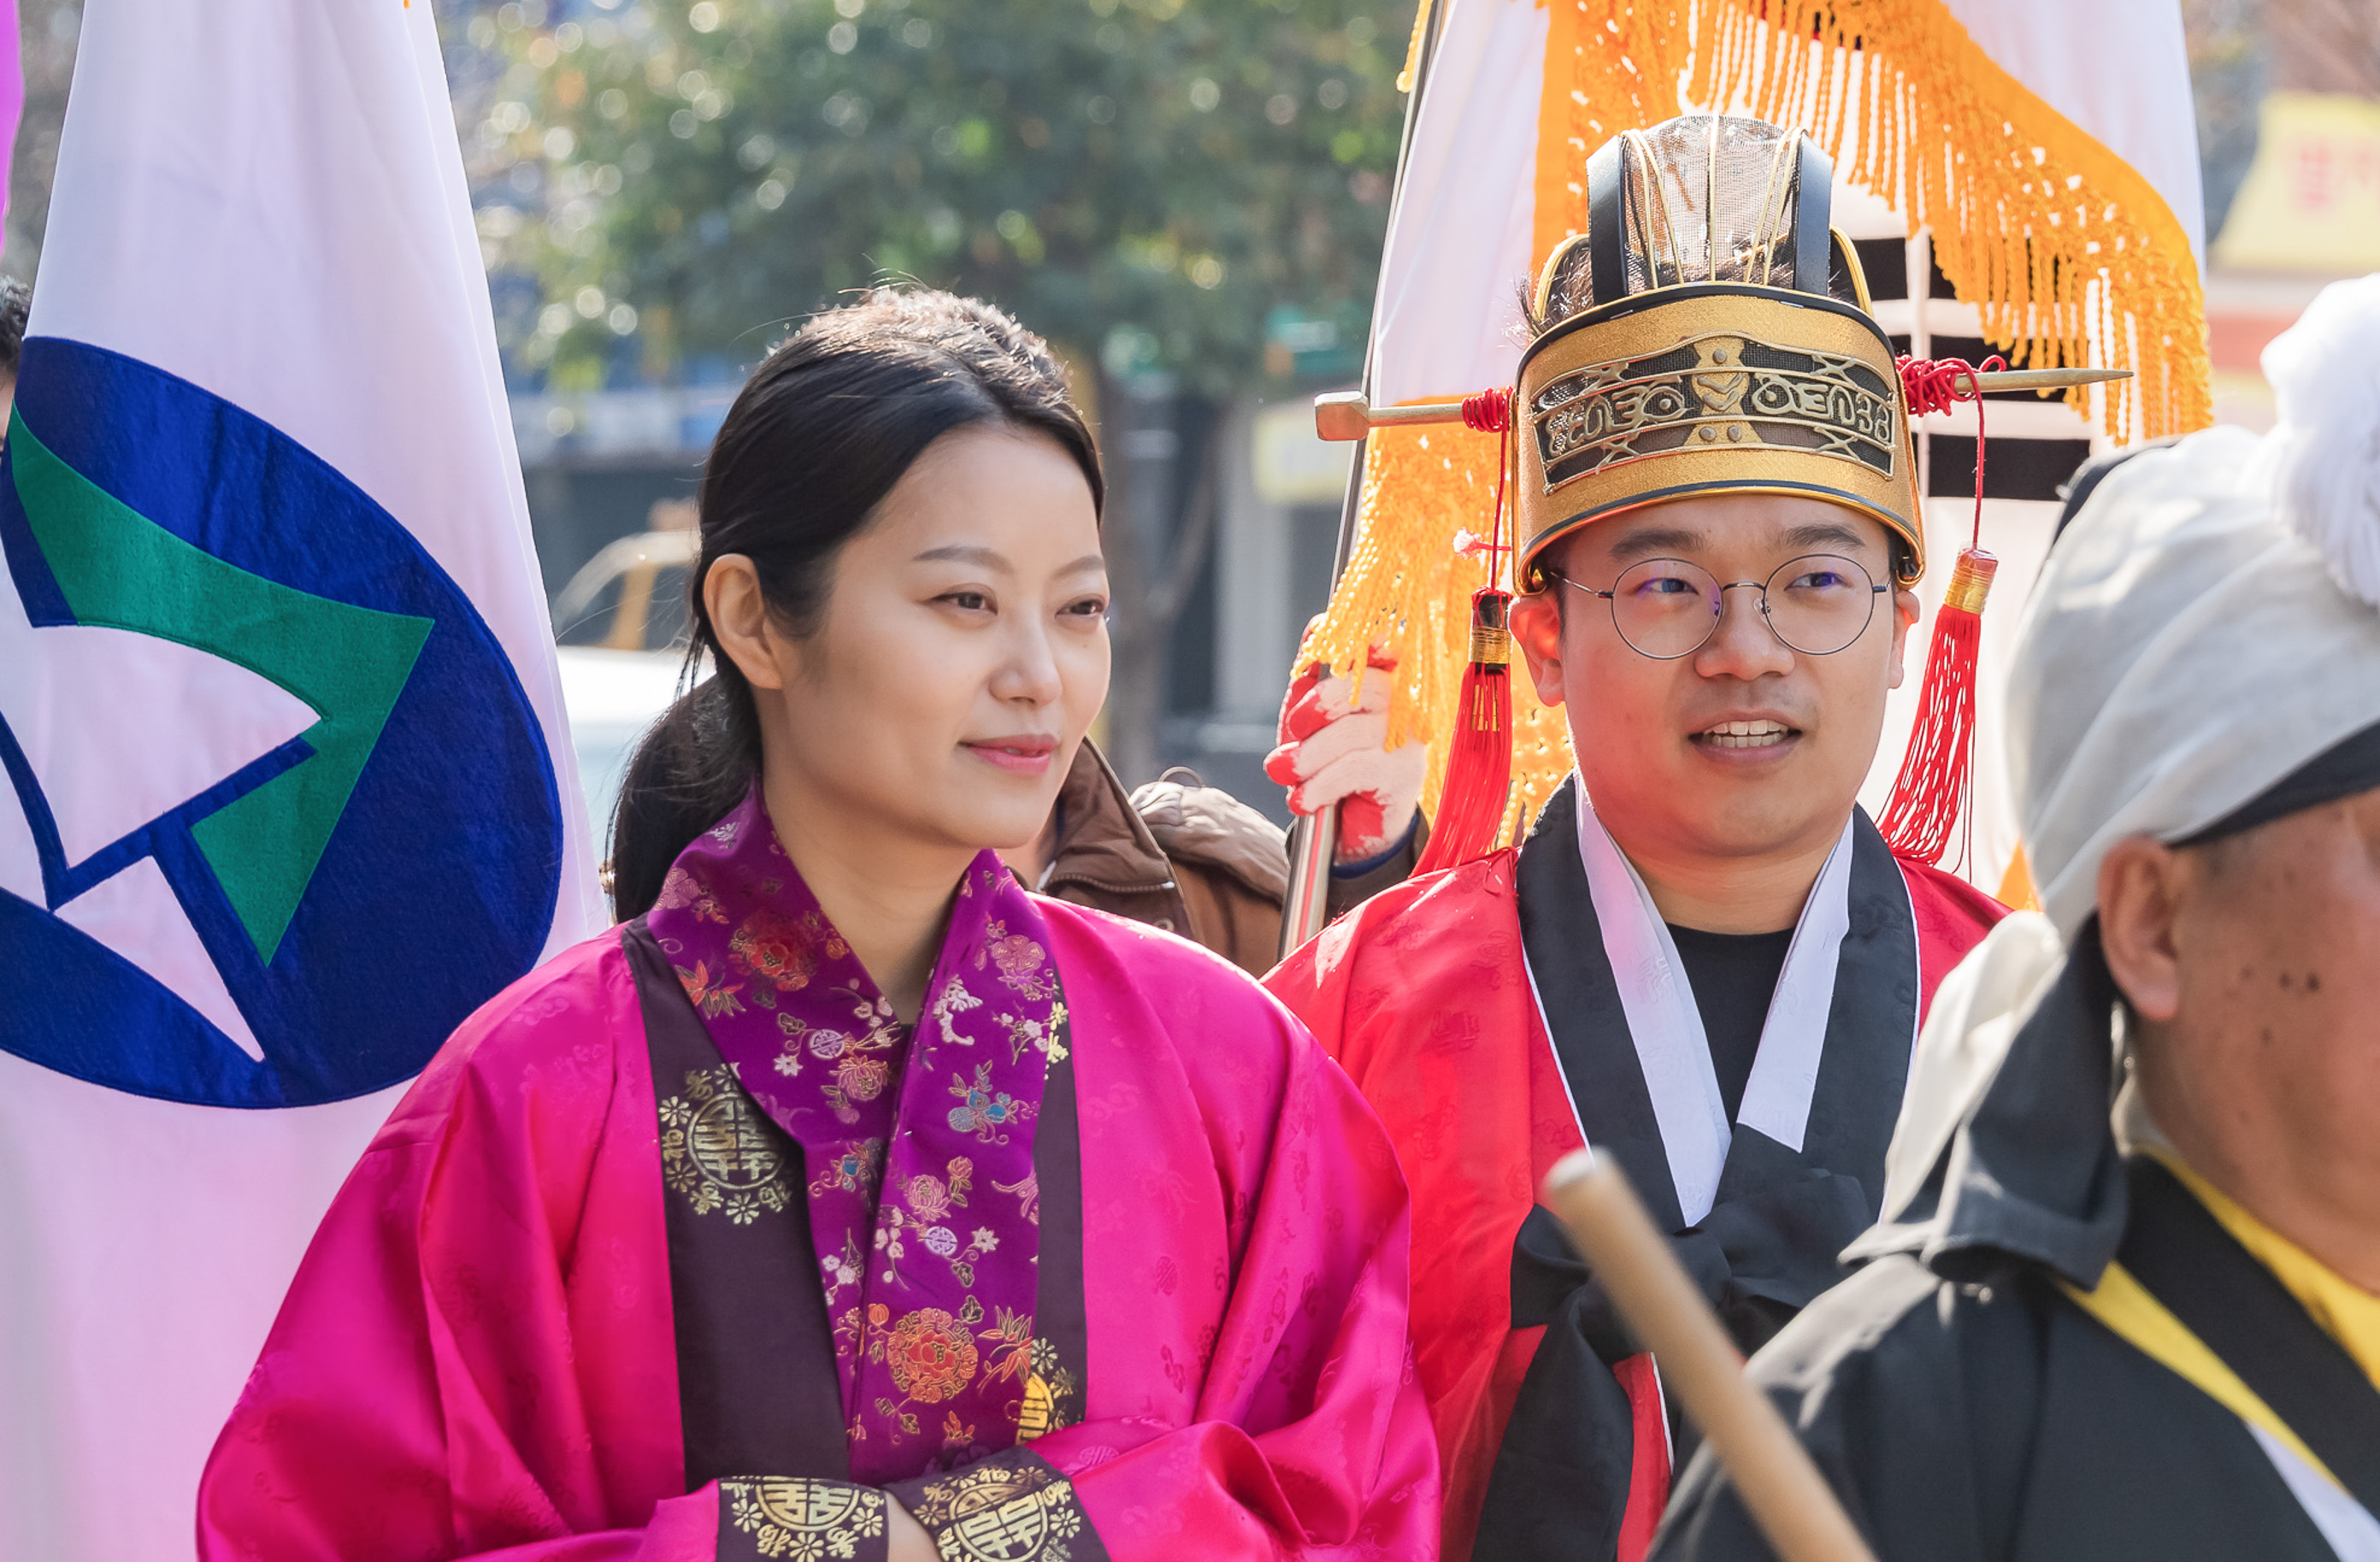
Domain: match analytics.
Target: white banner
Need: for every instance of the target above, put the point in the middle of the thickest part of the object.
(287, 784)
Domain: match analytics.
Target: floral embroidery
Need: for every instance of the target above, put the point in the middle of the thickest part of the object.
(953, 1002)
(712, 997)
(682, 892)
(1011, 1346)
(931, 1356)
(716, 1151)
(1040, 1034)
(1022, 963)
(1028, 1191)
(898, 1127)
(854, 1171)
(930, 1198)
(983, 1111)
(779, 949)
(805, 1521)
(839, 1270)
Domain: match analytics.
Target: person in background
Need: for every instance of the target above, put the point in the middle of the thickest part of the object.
(2155, 1331)
(854, 1201)
(16, 306)
(1704, 960)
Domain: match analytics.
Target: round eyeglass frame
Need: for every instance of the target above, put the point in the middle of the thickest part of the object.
(1719, 599)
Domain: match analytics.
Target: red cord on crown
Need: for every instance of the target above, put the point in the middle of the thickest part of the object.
(1489, 411)
(1931, 386)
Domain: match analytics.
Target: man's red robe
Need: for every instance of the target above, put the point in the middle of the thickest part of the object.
(1423, 995)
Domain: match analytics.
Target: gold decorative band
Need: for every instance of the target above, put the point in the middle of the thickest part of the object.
(776, 1517)
(1491, 642)
(1712, 388)
(1970, 582)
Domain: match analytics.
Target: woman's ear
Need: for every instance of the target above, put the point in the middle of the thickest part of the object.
(1536, 624)
(740, 621)
(2139, 894)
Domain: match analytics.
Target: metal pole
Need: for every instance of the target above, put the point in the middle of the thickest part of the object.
(1315, 846)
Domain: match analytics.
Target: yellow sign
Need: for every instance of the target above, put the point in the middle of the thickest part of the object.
(1293, 465)
(2311, 199)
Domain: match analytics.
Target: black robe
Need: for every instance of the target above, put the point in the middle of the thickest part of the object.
(1965, 1407)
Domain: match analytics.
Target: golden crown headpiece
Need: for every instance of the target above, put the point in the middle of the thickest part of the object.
(1709, 333)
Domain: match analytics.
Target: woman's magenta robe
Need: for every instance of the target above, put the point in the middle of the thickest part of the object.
(477, 1356)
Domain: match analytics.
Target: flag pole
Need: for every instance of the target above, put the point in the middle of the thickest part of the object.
(1786, 1497)
(1314, 845)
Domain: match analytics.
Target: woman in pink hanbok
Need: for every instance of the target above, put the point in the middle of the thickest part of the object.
(853, 1202)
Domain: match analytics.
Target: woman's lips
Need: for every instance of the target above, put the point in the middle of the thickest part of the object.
(1023, 756)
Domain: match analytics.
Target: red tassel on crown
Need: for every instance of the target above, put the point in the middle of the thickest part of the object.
(1479, 755)
(1937, 779)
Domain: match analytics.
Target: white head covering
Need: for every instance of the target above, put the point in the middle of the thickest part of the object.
(2211, 619)
(2208, 624)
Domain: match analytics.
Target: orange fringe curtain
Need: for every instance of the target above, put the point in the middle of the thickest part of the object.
(2055, 240)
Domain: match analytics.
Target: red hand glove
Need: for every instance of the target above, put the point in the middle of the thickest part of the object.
(1334, 749)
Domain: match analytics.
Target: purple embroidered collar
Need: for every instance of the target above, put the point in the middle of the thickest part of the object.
(928, 1249)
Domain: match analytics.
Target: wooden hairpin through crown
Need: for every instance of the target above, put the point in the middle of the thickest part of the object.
(1345, 415)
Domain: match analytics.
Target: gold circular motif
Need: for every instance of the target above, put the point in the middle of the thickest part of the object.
(811, 1505)
(987, 1529)
(728, 1144)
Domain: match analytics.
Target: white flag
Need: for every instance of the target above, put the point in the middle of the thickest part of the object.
(285, 784)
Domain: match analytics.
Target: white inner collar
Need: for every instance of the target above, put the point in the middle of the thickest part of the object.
(1672, 1049)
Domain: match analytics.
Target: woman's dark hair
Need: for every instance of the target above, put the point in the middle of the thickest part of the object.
(814, 442)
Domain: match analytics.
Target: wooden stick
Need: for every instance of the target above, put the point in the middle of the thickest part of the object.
(1313, 849)
(1786, 1497)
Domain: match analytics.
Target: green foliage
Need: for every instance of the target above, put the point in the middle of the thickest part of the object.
(1142, 178)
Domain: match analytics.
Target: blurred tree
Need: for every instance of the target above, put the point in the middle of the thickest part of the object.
(1143, 181)
(46, 33)
(2325, 45)
(1133, 174)
(2230, 68)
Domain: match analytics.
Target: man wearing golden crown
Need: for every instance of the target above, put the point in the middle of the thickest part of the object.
(1704, 959)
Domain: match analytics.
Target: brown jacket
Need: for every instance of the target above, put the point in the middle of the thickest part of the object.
(1185, 858)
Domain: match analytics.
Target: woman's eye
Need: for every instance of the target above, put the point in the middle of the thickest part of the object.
(1090, 607)
(970, 602)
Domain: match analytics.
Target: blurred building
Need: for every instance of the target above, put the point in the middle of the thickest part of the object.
(2289, 110)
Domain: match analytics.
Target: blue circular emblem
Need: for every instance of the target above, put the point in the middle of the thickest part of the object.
(361, 888)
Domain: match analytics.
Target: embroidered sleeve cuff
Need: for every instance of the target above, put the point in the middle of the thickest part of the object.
(1010, 1508)
(776, 1518)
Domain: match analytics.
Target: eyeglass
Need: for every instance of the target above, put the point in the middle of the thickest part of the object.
(1666, 608)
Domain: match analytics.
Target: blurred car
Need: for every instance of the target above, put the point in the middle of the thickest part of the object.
(619, 627)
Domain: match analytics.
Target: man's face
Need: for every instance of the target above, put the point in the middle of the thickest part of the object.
(1746, 747)
(2255, 965)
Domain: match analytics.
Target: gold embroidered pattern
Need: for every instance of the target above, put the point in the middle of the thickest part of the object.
(1710, 391)
(1000, 1511)
(716, 1153)
(805, 1521)
(1050, 1396)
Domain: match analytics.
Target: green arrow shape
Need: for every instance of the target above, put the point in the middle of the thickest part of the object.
(118, 569)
